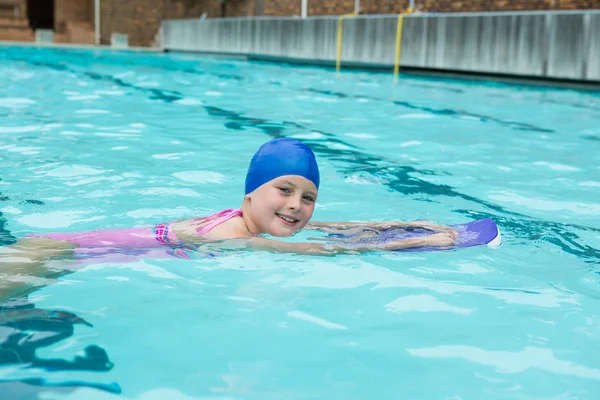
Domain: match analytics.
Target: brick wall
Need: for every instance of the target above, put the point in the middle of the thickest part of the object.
(72, 11)
(7, 8)
(504, 5)
(140, 19)
(283, 7)
(337, 7)
(14, 24)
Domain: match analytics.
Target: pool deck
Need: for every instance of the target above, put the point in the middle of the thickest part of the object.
(78, 46)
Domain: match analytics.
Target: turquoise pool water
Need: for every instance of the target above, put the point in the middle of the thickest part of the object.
(116, 139)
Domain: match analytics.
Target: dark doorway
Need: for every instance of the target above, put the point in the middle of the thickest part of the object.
(40, 14)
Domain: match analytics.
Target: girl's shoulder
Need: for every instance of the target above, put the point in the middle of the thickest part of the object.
(217, 226)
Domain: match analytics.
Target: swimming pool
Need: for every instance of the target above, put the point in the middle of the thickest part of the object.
(100, 139)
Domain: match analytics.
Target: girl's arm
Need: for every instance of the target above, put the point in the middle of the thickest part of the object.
(333, 226)
(259, 243)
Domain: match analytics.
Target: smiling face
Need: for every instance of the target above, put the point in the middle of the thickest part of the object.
(281, 206)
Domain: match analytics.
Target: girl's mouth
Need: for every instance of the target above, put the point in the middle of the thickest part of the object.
(291, 221)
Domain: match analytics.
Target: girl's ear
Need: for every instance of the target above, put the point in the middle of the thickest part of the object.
(247, 197)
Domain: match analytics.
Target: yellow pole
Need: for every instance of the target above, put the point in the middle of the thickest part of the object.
(340, 37)
(398, 47)
(338, 56)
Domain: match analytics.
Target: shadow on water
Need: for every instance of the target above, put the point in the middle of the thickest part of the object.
(24, 329)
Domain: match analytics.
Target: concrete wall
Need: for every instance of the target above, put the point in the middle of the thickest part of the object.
(564, 45)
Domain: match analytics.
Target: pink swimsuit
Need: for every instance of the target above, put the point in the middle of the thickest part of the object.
(135, 240)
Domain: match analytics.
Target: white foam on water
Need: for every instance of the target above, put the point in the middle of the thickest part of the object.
(125, 74)
(11, 210)
(411, 143)
(17, 75)
(555, 166)
(338, 146)
(70, 171)
(213, 93)
(503, 168)
(71, 133)
(169, 191)
(98, 194)
(131, 175)
(321, 99)
(169, 156)
(308, 136)
(18, 102)
(138, 266)
(424, 303)
(119, 148)
(361, 135)
(84, 125)
(137, 125)
(414, 116)
(93, 179)
(362, 180)
(200, 176)
(242, 299)
(49, 127)
(509, 362)
(590, 184)
(27, 150)
(158, 212)
(83, 97)
(188, 102)
(110, 92)
(315, 320)
(107, 134)
(539, 204)
(118, 278)
(56, 219)
(20, 129)
(148, 84)
(92, 111)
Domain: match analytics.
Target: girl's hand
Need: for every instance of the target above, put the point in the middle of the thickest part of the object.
(442, 239)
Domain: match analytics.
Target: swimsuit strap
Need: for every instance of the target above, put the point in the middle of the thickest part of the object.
(217, 219)
(165, 235)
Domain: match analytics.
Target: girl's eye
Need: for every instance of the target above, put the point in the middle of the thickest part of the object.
(309, 198)
(285, 190)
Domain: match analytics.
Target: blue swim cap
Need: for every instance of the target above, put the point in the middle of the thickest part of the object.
(281, 157)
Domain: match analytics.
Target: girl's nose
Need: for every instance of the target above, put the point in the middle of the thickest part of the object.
(294, 203)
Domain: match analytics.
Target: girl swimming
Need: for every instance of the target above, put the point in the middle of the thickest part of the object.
(281, 190)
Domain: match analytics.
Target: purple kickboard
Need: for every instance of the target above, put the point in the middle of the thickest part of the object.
(475, 233)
